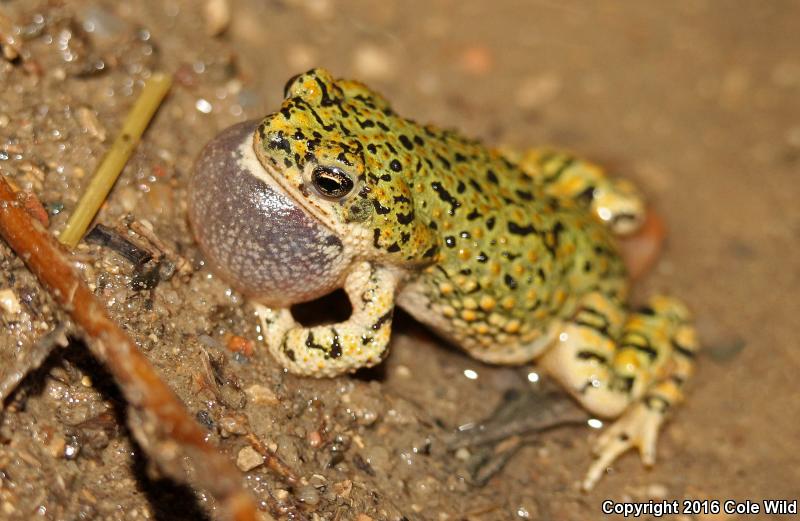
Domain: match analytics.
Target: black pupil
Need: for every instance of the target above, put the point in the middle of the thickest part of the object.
(332, 182)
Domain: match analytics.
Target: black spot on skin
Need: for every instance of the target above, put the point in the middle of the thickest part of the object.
(405, 218)
(386, 177)
(461, 187)
(401, 199)
(367, 123)
(395, 165)
(336, 348)
(459, 157)
(476, 185)
(376, 235)
(382, 320)
(510, 256)
(525, 195)
(553, 238)
(465, 271)
(446, 196)
(406, 142)
(587, 195)
(591, 355)
(405, 237)
(464, 235)
(380, 209)
(290, 354)
(287, 162)
(418, 140)
(490, 223)
(482, 258)
(344, 159)
(450, 241)
(430, 252)
(644, 310)
(372, 148)
(433, 225)
(587, 266)
(492, 177)
(474, 214)
(366, 339)
(280, 142)
(510, 281)
(394, 248)
(517, 229)
(443, 160)
(311, 343)
(382, 126)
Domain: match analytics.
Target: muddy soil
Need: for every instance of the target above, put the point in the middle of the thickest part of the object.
(694, 100)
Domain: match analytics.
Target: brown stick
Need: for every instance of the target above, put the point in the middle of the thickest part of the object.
(162, 425)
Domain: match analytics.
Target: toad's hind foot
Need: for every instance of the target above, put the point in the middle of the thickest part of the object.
(632, 366)
(636, 429)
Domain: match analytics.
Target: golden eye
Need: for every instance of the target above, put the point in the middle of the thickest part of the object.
(331, 182)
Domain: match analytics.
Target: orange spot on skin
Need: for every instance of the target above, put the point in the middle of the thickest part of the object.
(487, 303)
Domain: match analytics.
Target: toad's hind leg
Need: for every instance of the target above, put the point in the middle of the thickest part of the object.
(565, 176)
(627, 366)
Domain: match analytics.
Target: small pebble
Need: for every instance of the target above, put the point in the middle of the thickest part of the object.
(657, 491)
(248, 459)
(536, 91)
(9, 302)
(261, 395)
(314, 439)
(301, 57)
(239, 344)
(90, 124)
(373, 63)
(343, 488)
(308, 494)
(476, 60)
(233, 425)
(217, 15)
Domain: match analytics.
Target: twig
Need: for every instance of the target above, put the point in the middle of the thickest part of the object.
(135, 122)
(163, 426)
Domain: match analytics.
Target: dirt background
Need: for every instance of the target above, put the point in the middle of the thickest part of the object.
(697, 101)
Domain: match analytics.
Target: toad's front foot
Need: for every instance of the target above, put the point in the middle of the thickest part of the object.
(330, 350)
(636, 428)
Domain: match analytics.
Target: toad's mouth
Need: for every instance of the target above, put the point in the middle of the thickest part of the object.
(291, 196)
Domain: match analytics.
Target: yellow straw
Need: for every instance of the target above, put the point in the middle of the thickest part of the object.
(114, 161)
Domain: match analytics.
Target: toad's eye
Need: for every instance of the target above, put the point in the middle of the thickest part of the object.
(331, 182)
